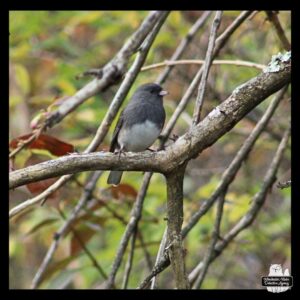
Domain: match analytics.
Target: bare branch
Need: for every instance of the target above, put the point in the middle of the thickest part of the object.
(258, 200)
(183, 45)
(231, 171)
(220, 42)
(238, 63)
(206, 67)
(159, 257)
(108, 119)
(110, 73)
(227, 177)
(82, 244)
(272, 16)
(218, 122)
(130, 259)
(214, 239)
(136, 214)
(125, 86)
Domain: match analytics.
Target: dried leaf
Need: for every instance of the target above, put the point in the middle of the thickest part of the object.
(84, 234)
(45, 142)
(123, 191)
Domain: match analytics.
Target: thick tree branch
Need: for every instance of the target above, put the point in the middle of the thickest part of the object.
(175, 219)
(227, 177)
(243, 99)
(245, 221)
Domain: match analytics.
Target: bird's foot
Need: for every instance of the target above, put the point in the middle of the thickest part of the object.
(120, 152)
(152, 150)
(174, 137)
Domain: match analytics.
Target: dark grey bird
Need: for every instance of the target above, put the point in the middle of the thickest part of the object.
(139, 125)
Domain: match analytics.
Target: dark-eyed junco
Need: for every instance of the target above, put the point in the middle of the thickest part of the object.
(140, 123)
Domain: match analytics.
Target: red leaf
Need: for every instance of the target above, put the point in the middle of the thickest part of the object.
(45, 142)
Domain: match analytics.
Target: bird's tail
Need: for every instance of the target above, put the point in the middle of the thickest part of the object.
(114, 177)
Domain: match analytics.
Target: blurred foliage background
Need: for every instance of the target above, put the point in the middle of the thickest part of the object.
(47, 50)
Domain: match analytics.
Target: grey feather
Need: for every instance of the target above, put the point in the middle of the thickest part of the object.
(145, 107)
(114, 177)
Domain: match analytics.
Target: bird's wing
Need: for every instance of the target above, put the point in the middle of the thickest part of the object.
(114, 141)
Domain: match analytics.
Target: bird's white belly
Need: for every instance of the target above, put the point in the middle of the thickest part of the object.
(139, 137)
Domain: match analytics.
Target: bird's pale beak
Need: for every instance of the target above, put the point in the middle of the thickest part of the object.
(163, 93)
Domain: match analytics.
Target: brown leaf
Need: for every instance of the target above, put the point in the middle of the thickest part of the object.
(123, 191)
(45, 142)
(84, 234)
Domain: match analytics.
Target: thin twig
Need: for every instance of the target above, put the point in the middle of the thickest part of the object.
(183, 45)
(111, 73)
(159, 256)
(215, 237)
(23, 144)
(85, 248)
(91, 183)
(238, 63)
(272, 16)
(135, 217)
(117, 216)
(146, 252)
(208, 60)
(130, 259)
(256, 203)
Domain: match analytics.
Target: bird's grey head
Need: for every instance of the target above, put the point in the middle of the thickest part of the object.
(152, 88)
